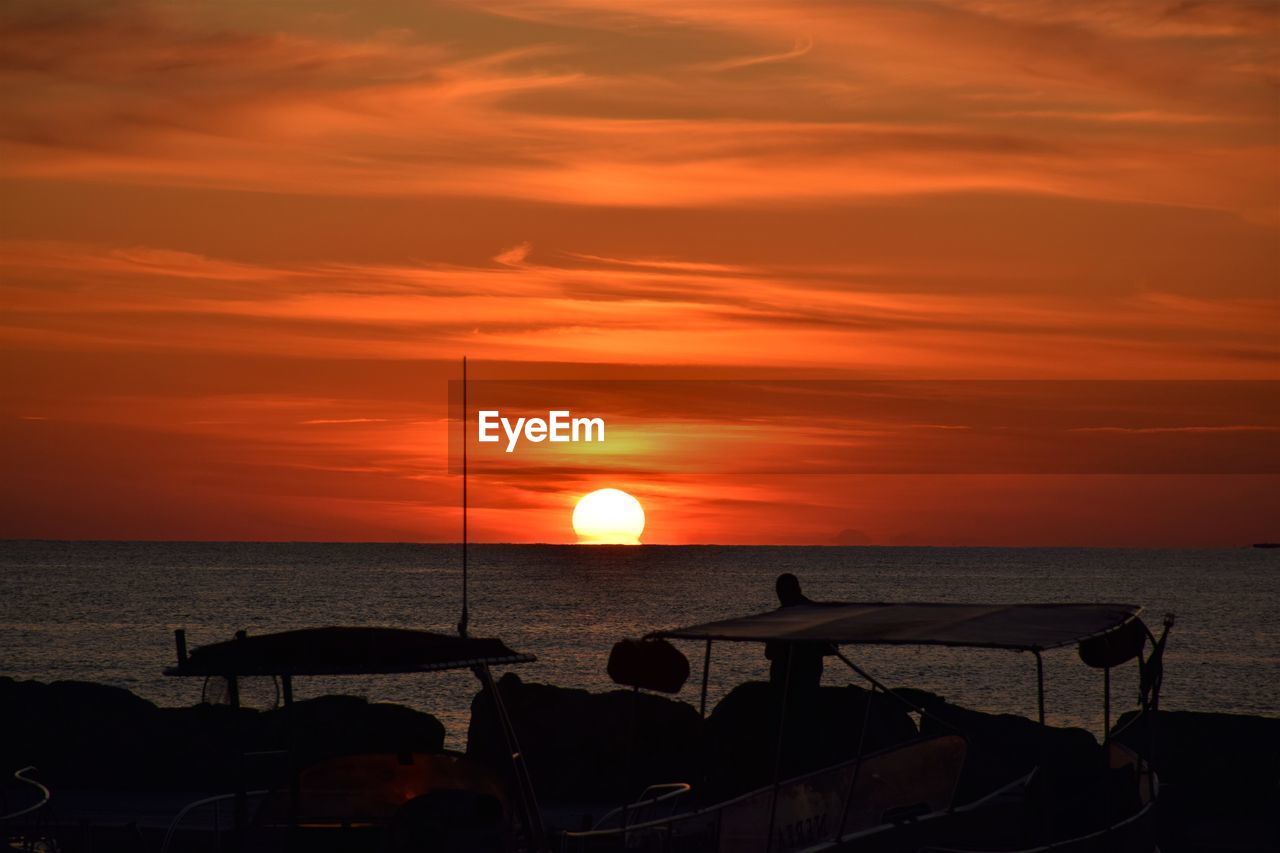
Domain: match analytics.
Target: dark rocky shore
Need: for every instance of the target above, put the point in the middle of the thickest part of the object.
(1219, 772)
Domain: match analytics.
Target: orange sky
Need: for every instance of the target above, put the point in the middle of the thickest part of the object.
(244, 244)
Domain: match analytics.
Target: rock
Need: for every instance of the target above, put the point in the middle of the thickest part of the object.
(1003, 747)
(1227, 763)
(90, 736)
(820, 730)
(1219, 786)
(76, 732)
(584, 747)
(329, 726)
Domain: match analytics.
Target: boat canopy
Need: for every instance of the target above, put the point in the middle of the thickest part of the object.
(344, 651)
(1025, 627)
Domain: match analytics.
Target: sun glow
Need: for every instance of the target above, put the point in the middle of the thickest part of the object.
(608, 517)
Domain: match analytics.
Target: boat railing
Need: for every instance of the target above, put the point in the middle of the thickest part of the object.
(1136, 832)
(655, 803)
(41, 793)
(26, 826)
(842, 801)
(218, 818)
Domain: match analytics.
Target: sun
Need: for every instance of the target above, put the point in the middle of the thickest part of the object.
(608, 517)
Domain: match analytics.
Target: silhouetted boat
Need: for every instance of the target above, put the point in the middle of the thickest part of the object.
(904, 797)
(383, 802)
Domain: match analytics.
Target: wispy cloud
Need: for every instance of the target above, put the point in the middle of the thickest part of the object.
(514, 256)
(801, 47)
(605, 309)
(325, 421)
(878, 102)
(1153, 430)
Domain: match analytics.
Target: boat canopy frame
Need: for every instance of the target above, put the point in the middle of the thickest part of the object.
(341, 651)
(355, 650)
(1034, 628)
(1017, 627)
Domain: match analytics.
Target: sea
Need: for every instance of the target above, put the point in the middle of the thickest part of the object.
(106, 612)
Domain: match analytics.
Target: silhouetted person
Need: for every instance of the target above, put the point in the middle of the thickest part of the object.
(805, 656)
(788, 588)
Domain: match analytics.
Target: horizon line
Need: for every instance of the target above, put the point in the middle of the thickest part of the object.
(588, 545)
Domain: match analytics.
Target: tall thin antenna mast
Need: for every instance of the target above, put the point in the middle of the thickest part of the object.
(462, 622)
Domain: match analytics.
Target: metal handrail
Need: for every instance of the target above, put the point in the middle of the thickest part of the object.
(1140, 814)
(45, 794)
(672, 789)
(714, 811)
(189, 807)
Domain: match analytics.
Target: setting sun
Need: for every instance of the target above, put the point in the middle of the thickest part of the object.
(608, 517)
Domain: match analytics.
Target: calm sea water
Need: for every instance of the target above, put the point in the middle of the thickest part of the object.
(106, 612)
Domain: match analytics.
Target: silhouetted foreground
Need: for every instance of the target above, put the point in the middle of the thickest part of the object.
(101, 748)
(1220, 778)
(777, 767)
(89, 736)
(820, 732)
(587, 747)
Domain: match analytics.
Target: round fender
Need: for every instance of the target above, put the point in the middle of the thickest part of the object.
(648, 664)
(1114, 647)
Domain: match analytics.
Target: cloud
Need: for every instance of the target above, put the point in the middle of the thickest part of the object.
(885, 100)
(326, 421)
(1181, 429)
(638, 310)
(802, 46)
(514, 256)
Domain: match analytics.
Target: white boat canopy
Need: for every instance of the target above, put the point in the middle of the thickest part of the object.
(1024, 627)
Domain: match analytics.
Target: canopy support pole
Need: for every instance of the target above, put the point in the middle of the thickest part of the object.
(706, 674)
(1106, 705)
(777, 754)
(702, 712)
(874, 682)
(295, 779)
(527, 796)
(465, 618)
(1150, 720)
(629, 769)
(241, 798)
(857, 767)
(1040, 684)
